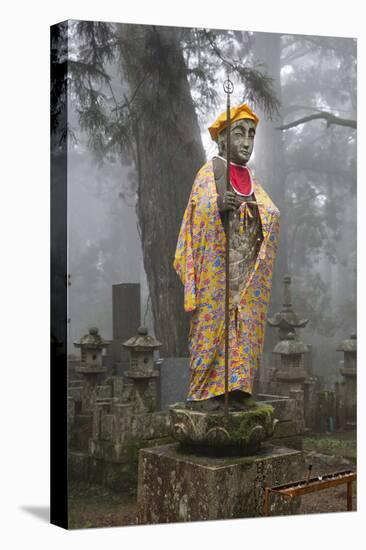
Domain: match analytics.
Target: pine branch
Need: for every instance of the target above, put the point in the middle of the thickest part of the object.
(259, 86)
(88, 69)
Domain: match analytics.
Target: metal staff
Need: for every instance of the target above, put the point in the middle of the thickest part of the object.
(228, 88)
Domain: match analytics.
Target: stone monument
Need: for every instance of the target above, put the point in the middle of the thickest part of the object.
(91, 367)
(84, 376)
(221, 461)
(292, 359)
(122, 418)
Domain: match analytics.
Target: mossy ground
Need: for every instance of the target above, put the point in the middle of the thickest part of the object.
(340, 443)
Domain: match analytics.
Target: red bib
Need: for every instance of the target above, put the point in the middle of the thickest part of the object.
(241, 179)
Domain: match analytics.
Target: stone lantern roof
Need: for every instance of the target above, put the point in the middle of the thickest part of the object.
(286, 318)
(142, 341)
(92, 340)
(348, 345)
(290, 346)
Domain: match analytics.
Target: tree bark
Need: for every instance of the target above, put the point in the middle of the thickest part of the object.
(169, 153)
(269, 154)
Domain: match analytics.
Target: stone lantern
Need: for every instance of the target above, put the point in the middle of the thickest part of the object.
(141, 370)
(349, 348)
(291, 352)
(349, 373)
(290, 376)
(286, 320)
(91, 347)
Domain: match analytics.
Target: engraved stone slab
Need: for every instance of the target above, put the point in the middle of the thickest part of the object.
(175, 485)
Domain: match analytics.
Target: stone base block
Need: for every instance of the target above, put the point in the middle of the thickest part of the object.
(176, 485)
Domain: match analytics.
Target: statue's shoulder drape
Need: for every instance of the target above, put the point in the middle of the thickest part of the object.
(200, 263)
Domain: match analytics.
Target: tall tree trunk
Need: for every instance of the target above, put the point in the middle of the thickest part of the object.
(269, 154)
(169, 153)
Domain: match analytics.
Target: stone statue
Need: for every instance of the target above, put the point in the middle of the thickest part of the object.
(200, 263)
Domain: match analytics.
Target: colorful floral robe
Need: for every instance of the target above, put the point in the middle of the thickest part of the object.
(200, 263)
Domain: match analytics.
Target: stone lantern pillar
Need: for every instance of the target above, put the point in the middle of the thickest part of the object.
(91, 367)
(141, 372)
(290, 375)
(349, 373)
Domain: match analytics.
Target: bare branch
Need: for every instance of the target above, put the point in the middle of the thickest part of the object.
(290, 58)
(329, 117)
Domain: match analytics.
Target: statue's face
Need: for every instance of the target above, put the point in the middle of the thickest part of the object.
(241, 141)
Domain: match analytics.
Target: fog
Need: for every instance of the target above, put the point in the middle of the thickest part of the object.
(309, 170)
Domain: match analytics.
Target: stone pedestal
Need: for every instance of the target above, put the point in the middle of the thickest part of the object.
(176, 485)
(245, 429)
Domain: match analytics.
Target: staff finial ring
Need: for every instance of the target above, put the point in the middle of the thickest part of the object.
(228, 86)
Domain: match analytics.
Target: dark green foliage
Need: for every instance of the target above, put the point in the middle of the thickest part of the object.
(111, 121)
(206, 50)
(59, 55)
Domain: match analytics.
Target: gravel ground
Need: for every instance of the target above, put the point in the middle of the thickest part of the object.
(333, 499)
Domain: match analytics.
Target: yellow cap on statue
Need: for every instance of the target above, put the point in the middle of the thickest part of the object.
(236, 113)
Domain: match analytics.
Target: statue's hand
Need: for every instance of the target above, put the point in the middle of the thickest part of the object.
(227, 202)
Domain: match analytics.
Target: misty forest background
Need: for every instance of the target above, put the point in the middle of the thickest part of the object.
(140, 99)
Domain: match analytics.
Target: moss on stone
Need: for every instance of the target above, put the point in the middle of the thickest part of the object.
(260, 416)
(245, 429)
